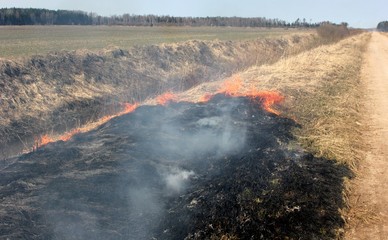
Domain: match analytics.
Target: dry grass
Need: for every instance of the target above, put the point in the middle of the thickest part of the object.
(57, 92)
(323, 94)
(357, 213)
(331, 114)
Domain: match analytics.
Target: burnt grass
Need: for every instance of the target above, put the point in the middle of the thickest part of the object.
(225, 168)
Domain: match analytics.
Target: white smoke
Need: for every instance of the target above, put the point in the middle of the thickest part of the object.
(177, 180)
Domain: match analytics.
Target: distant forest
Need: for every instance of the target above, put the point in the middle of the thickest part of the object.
(32, 16)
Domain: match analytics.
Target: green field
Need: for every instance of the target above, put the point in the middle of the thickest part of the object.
(24, 41)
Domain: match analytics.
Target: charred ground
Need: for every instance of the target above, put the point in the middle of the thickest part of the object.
(225, 168)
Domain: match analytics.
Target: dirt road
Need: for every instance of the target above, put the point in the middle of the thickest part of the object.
(370, 198)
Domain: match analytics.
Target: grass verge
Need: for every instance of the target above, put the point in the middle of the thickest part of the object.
(325, 96)
(331, 114)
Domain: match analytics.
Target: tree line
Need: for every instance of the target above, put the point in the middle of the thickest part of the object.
(33, 16)
(383, 26)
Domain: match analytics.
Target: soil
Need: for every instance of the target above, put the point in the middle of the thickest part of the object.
(369, 217)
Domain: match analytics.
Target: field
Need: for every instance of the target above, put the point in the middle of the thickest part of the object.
(23, 41)
(234, 133)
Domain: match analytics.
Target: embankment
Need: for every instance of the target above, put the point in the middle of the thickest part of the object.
(62, 90)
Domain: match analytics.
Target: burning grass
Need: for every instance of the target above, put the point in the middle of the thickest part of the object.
(65, 90)
(46, 138)
(230, 88)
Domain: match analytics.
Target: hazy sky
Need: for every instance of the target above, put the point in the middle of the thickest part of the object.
(358, 13)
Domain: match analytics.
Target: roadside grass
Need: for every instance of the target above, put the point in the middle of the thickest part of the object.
(25, 41)
(332, 114)
(324, 95)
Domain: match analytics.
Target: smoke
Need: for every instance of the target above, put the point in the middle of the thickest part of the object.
(204, 132)
(177, 180)
(183, 142)
(145, 208)
(123, 177)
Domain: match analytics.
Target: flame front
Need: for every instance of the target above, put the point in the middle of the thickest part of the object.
(267, 98)
(205, 97)
(68, 135)
(232, 87)
(165, 98)
(46, 139)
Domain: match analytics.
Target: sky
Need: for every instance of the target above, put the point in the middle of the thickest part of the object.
(358, 13)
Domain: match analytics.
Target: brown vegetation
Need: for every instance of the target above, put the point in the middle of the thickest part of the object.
(330, 32)
(54, 93)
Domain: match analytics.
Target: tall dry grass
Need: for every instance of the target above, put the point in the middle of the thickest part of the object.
(324, 94)
(330, 32)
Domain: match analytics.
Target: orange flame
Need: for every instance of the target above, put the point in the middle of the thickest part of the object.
(268, 99)
(231, 87)
(68, 135)
(206, 97)
(129, 108)
(43, 140)
(165, 98)
(46, 139)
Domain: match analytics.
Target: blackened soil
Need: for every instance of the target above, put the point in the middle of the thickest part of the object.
(225, 168)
